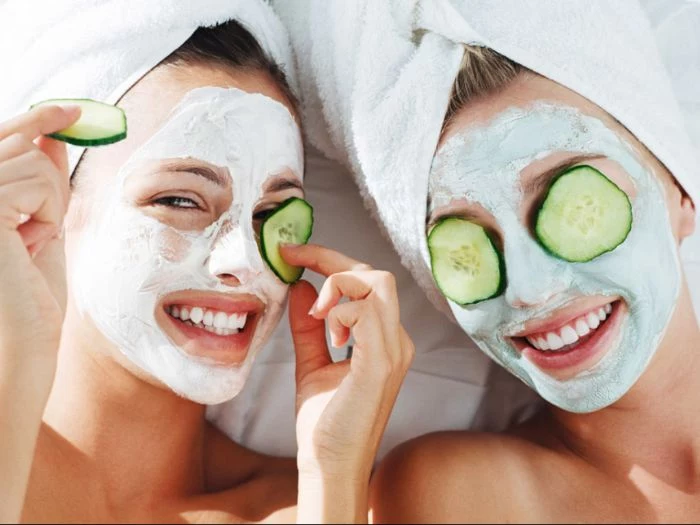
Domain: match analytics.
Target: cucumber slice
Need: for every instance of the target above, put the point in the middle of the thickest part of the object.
(292, 222)
(583, 216)
(99, 124)
(466, 265)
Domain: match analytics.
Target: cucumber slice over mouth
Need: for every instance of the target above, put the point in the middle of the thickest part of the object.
(99, 124)
(466, 265)
(291, 223)
(583, 216)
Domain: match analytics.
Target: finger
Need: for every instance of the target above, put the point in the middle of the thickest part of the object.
(34, 193)
(40, 121)
(51, 261)
(353, 285)
(341, 319)
(308, 333)
(320, 259)
(363, 321)
(14, 146)
(36, 234)
(56, 151)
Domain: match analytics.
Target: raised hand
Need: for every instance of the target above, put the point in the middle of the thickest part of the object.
(34, 194)
(343, 408)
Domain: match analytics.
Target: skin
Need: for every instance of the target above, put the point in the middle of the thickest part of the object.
(612, 465)
(86, 436)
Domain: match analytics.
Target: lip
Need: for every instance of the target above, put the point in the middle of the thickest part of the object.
(566, 364)
(223, 350)
(564, 316)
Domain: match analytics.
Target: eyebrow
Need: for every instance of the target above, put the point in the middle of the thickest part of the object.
(539, 182)
(210, 173)
(283, 183)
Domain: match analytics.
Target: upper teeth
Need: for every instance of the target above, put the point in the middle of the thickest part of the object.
(570, 334)
(218, 322)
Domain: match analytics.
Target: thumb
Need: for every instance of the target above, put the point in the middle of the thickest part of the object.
(56, 151)
(308, 333)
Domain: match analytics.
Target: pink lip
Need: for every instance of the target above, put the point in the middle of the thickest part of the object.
(224, 350)
(566, 364)
(564, 316)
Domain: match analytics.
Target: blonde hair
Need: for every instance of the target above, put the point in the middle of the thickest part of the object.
(483, 72)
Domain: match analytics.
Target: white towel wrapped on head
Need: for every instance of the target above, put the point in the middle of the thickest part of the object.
(376, 79)
(100, 48)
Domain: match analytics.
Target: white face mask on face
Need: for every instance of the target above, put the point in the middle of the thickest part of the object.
(483, 165)
(128, 261)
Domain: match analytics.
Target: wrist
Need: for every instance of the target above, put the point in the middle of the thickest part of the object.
(26, 377)
(325, 498)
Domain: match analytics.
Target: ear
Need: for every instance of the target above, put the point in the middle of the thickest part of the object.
(686, 222)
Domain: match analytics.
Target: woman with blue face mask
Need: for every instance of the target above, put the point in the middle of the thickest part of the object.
(531, 165)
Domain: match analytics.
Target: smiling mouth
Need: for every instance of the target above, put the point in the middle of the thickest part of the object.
(213, 321)
(575, 345)
(573, 333)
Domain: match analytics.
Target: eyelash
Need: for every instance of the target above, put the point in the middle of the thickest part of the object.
(172, 202)
(264, 214)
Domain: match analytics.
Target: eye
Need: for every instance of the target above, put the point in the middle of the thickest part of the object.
(176, 202)
(261, 215)
(467, 266)
(583, 216)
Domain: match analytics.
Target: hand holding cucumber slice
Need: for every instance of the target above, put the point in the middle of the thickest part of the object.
(466, 265)
(583, 216)
(99, 124)
(291, 223)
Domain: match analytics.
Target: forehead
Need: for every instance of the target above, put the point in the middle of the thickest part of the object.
(231, 128)
(484, 163)
(151, 102)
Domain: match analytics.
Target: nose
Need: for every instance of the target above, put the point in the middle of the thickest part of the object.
(235, 258)
(534, 276)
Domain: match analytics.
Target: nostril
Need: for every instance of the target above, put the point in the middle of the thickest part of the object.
(230, 279)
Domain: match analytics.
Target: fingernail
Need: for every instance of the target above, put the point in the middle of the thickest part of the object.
(72, 110)
(312, 310)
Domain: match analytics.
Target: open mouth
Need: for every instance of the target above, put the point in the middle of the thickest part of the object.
(576, 344)
(216, 327)
(212, 321)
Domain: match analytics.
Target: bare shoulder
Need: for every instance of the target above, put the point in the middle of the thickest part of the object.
(252, 486)
(457, 476)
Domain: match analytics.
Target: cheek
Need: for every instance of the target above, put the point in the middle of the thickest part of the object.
(172, 246)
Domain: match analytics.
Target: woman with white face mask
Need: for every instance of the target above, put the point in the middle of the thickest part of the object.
(109, 353)
(528, 160)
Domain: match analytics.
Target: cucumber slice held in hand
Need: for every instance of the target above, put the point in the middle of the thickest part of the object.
(466, 265)
(99, 124)
(291, 223)
(583, 216)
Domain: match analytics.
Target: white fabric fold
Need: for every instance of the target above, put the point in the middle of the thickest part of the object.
(376, 79)
(99, 48)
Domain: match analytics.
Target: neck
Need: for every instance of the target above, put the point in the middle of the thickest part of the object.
(654, 426)
(132, 433)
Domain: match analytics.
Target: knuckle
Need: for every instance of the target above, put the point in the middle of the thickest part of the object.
(36, 156)
(362, 267)
(17, 144)
(387, 279)
(48, 112)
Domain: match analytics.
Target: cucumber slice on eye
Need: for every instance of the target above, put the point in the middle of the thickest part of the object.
(99, 124)
(292, 223)
(583, 216)
(466, 265)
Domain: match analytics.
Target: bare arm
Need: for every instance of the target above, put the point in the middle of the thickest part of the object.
(34, 197)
